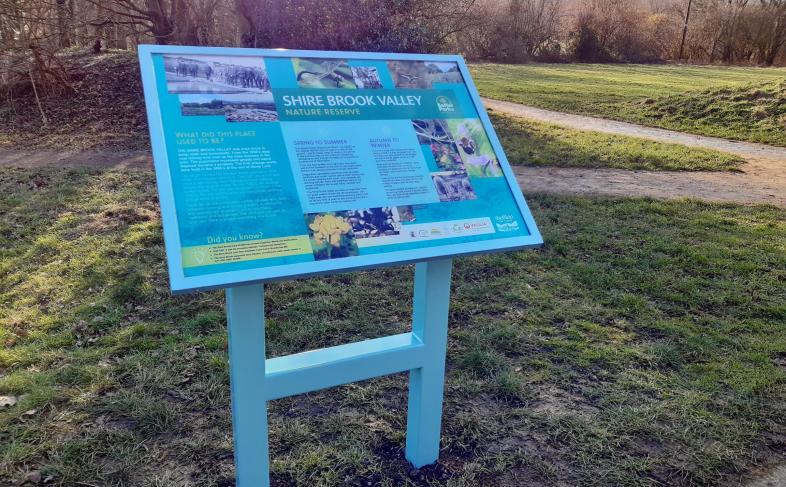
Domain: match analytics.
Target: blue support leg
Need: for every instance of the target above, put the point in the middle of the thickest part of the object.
(427, 383)
(246, 322)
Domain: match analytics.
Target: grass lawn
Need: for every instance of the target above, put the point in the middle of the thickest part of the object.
(645, 344)
(729, 102)
(531, 143)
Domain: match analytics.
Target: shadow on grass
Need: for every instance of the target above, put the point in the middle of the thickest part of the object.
(643, 344)
(532, 143)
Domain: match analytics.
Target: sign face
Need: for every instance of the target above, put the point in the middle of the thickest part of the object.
(275, 163)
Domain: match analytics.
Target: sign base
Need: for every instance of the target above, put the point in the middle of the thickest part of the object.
(256, 379)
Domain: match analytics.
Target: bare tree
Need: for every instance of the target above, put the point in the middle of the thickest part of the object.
(65, 10)
(167, 21)
(768, 30)
(513, 30)
(371, 25)
(616, 30)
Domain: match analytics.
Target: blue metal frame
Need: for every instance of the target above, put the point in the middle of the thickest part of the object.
(180, 283)
(256, 380)
(246, 323)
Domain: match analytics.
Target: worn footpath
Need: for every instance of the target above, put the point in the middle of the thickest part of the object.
(762, 179)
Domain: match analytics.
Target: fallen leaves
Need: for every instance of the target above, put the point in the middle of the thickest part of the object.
(7, 401)
(36, 478)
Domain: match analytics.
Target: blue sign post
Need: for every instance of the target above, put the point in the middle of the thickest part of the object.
(277, 164)
(256, 380)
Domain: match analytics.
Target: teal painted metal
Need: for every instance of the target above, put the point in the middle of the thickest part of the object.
(256, 380)
(246, 323)
(328, 367)
(427, 382)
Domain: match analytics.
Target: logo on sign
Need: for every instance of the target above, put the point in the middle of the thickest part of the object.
(444, 104)
(506, 223)
(476, 225)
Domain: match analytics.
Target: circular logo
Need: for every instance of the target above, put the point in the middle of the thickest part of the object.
(445, 104)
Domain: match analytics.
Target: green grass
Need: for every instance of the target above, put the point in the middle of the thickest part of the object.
(754, 112)
(683, 98)
(531, 143)
(645, 344)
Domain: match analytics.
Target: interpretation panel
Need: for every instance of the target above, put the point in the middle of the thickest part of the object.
(274, 164)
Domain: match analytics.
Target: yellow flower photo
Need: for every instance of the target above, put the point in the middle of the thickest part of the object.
(331, 235)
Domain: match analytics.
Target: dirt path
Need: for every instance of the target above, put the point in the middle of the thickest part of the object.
(92, 159)
(773, 478)
(581, 122)
(763, 179)
(721, 187)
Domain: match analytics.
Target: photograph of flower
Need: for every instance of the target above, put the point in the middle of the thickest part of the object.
(436, 135)
(331, 235)
(374, 222)
(323, 73)
(475, 148)
(235, 107)
(215, 74)
(366, 77)
(453, 186)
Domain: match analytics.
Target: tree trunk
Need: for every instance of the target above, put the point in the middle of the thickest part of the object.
(778, 37)
(185, 28)
(161, 25)
(64, 22)
(98, 34)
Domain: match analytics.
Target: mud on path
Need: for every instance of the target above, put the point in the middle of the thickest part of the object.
(762, 180)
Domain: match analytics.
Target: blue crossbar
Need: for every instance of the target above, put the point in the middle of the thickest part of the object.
(342, 364)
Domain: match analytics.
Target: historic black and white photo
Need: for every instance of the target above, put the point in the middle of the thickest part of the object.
(216, 74)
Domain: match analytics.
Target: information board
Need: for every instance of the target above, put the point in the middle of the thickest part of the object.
(275, 163)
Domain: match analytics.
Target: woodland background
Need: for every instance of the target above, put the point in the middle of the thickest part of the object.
(726, 31)
(36, 34)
